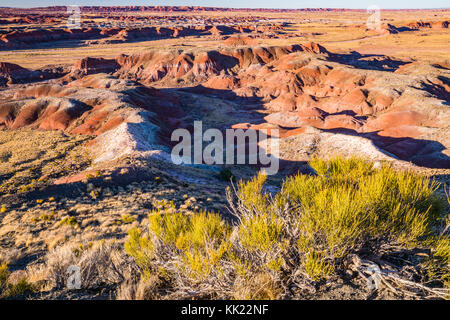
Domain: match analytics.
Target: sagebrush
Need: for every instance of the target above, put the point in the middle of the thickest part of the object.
(293, 240)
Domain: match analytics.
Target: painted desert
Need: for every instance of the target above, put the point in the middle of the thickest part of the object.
(159, 152)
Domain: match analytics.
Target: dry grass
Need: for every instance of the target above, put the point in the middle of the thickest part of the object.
(33, 157)
(101, 264)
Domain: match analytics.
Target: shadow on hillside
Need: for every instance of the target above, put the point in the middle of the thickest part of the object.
(368, 61)
(58, 44)
(135, 35)
(439, 89)
(421, 152)
(225, 94)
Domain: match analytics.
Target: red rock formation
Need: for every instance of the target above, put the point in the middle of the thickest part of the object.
(293, 84)
(13, 73)
(433, 24)
(314, 48)
(240, 41)
(80, 109)
(88, 66)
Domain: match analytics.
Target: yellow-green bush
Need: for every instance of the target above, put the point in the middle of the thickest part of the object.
(346, 205)
(9, 290)
(127, 218)
(199, 240)
(251, 193)
(199, 264)
(261, 232)
(4, 275)
(315, 266)
(185, 231)
(309, 226)
(349, 203)
(71, 221)
(20, 288)
(438, 265)
(353, 168)
(261, 227)
(140, 247)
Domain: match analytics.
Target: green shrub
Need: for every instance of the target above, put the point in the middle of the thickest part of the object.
(20, 288)
(315, 266)
(438, 265)
(347, 205)
(251, 194)
(140, 247)
(353, 168)
(260, 232)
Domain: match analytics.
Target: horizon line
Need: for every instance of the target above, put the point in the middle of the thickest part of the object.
(237, 8)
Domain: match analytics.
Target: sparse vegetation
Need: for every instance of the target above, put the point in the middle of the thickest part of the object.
(9, 289)
(4, 275)
(127, 218)
(47, 217)
(297, 238)
(71, 221)
(100, 263)
(94, 194)
(32, 158)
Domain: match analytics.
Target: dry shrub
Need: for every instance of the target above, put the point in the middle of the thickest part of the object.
(101, 264)
(260, 286)
(143, 289)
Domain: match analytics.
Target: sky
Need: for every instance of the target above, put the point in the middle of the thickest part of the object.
(353, 4)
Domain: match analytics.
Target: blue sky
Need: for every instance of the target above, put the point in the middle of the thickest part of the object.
(386, 4)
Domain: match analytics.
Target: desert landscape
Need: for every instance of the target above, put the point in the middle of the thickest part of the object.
(359, 107)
